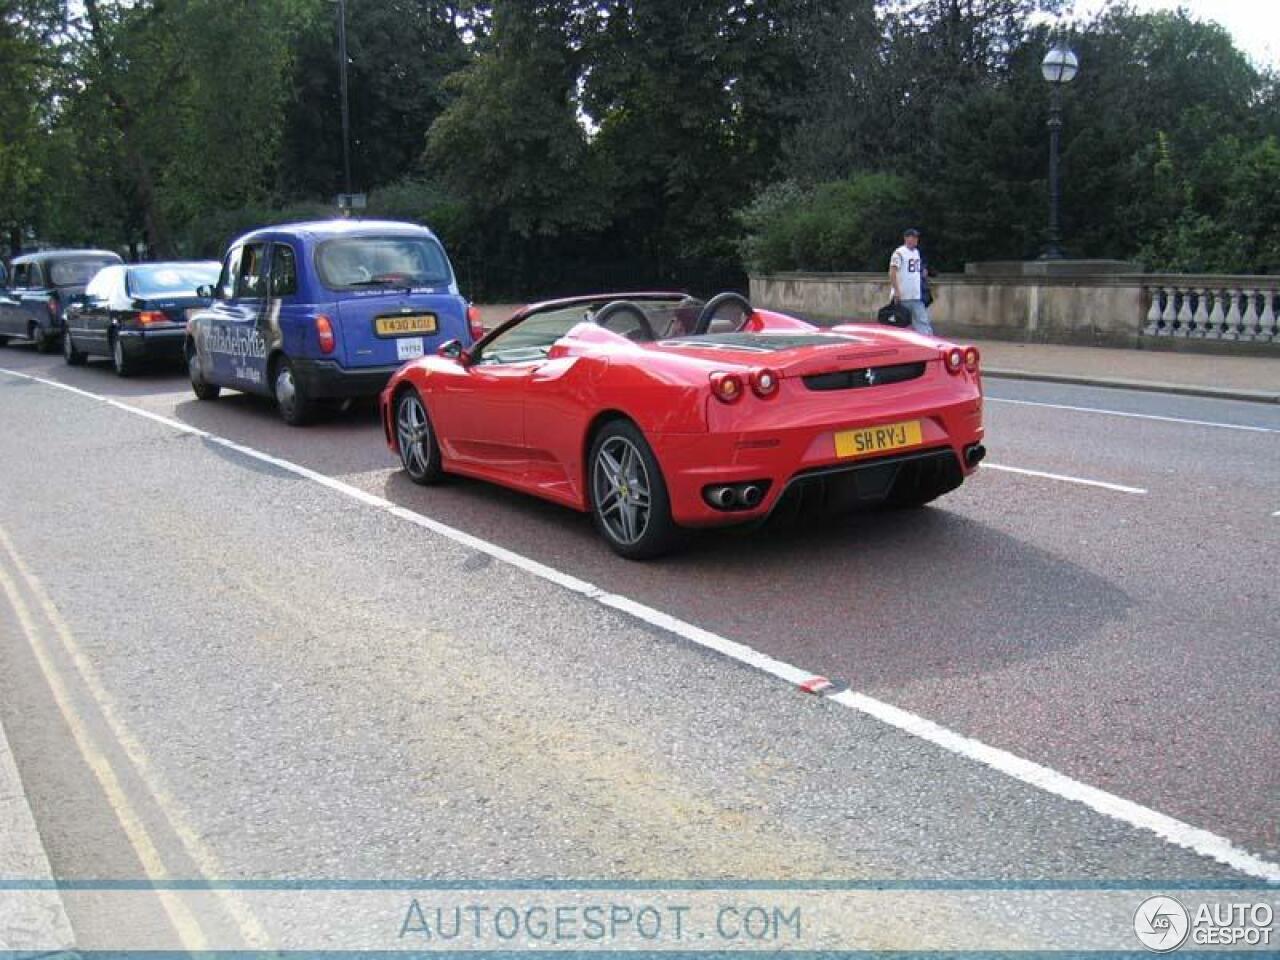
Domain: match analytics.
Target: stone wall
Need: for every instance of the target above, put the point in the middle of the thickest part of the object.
(1103, 309)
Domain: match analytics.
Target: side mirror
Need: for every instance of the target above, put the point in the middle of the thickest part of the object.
(452, 350)
(204, 290)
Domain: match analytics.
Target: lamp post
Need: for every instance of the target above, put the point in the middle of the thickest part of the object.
(342, 81)
(1058, 67)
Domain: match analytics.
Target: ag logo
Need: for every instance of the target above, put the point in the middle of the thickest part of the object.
(1161, 924)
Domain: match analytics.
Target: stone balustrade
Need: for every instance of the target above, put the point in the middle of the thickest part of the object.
(1071, 303)
(1241, 309)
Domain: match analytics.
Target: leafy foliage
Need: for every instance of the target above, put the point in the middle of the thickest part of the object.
(559, 145)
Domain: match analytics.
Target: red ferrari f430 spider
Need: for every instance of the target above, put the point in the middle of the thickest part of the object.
(656, 411)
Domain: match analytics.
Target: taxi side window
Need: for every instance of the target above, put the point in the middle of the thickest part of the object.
(21, 275)
(250, 281)
(36, 280)
(284, 271)
(227, 280)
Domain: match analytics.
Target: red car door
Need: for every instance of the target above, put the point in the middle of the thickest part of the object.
(479, 415)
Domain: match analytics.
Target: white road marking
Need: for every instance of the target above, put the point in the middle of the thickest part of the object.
(1134, 416)
(1176, 832)
(184, 923)
(252, 932)
(1118, 487)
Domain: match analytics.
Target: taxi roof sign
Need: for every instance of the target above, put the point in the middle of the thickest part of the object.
(352, 201)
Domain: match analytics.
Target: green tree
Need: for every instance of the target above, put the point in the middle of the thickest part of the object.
(28, 33)
(400, 53)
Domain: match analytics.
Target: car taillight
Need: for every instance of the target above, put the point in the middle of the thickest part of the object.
(971, 359)
(726, 386)
(324, 330)
(148, 317)
(764, 383)
(954, 359)
(474, 323)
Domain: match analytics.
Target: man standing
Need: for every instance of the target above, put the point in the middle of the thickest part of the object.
(905, 274)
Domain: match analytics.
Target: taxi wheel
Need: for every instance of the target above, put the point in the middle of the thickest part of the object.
(70, 354)
(42, 342)
(119, 361)
(416, 440)
(292, 400)
(202, 388)
(629, 501)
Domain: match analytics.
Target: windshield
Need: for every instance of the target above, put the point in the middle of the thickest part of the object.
(171, 279)
(355, 262)
(642, 320)
(78, 272)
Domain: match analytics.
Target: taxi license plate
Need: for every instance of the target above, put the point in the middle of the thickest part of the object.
(403, 325)
(889, 436)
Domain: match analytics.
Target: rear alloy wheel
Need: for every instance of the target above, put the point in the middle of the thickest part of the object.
(42, 342)
(629, 501)
(70, 354)
(292, 400)
(419, 450)
(202, 388)
(121, 363)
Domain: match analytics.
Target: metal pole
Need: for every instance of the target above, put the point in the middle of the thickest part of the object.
(346, 112)
(1052, 250)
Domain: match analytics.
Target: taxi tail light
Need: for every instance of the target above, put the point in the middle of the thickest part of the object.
(726, 386)
(971, 359)
(474, 323)
(324, 331)
(52, 305)
(764, 383)
(148, 317)
(953, 359)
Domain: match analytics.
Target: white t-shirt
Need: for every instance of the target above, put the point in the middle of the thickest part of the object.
(908, 263)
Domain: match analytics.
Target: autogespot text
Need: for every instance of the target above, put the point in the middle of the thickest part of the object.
(486, 925)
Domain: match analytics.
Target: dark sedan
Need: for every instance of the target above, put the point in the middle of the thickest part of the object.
(40, 287)
(137, 312)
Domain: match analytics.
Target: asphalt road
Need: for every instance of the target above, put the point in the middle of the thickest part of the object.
(293, 684)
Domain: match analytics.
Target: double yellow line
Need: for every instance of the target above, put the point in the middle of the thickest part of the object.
(18, 587)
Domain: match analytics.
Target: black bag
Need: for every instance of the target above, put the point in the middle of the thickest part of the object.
(894, 314)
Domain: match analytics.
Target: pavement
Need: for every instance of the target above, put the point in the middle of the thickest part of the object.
(39, 925)
(1204, 375)
(229, 670)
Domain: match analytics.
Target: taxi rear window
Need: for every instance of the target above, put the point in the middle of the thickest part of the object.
(78, 272)
(356, 263)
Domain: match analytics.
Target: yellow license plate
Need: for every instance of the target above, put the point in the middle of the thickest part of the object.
(405, 325)
(889, 436)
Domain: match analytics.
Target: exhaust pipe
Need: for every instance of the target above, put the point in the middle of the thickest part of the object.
(975, 454)
(751, 495)
(721, 497)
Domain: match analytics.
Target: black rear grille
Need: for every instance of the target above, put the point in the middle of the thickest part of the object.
(864, 377)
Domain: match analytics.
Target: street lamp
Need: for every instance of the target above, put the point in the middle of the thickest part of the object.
(342, 82)
(1058, 67)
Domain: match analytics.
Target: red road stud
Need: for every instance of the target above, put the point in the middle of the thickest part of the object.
(822, 687)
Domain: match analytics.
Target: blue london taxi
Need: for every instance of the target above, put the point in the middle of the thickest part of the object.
(309, 313)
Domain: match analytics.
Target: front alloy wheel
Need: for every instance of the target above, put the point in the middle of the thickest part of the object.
(628, 495)
(419, 451)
